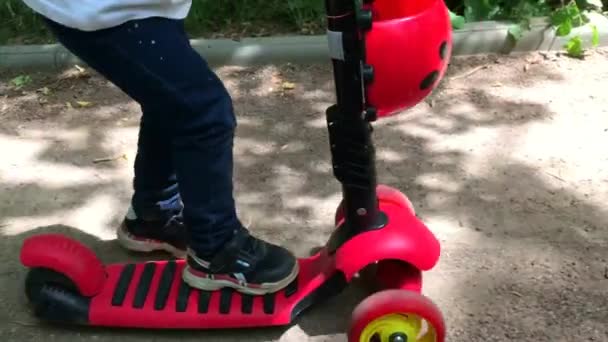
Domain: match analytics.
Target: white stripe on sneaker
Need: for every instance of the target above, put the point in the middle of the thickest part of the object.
(241, 278)
(131, 215)
(198, 260)
(146, 245)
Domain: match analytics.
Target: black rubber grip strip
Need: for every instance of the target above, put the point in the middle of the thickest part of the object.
(292, 288)
(183, 294)
(225, 300)
(203, 301)
(144, 285)
(246, 303)
(164, 285)
(122, 286)
(269, 303)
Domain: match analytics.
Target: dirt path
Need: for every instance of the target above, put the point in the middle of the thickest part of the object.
(506, 163)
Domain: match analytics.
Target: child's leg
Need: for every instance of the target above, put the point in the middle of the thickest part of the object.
(187, 108)
(154, 220)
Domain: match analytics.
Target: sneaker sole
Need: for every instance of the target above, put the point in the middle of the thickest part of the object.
(206, 284)
(147, 246)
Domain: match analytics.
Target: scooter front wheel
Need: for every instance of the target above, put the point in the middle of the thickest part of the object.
(397, 316)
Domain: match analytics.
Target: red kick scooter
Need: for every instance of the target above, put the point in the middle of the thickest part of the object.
(387, 56)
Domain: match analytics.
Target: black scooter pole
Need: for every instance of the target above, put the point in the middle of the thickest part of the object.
(349, 120)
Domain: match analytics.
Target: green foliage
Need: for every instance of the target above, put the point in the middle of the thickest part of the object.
(569, 17)
(21, 81)
(17, 20)
(518, 10)
(575, 46)
(251, 15)
(18, 24)
(595, 37)
(565, 16)
(458, 21)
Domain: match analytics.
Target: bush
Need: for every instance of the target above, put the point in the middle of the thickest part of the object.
(564, 15)
(515, 10)
(255, 17)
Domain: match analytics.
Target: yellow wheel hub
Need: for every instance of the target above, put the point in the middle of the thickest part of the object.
(388, 328)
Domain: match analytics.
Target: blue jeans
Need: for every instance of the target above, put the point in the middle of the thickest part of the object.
(187, 127)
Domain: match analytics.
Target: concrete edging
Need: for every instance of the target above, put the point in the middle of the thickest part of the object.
(474, 38)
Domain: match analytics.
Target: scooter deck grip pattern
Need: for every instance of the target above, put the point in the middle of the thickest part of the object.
(153, 295)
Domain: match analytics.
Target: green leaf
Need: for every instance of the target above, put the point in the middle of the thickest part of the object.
(574, 47)
(457, 21)
(516, 31)
(558, 17)
(569, 13)
(595, 38)
(564, 28)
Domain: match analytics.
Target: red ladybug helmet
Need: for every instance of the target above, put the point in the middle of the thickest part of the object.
(409, 47)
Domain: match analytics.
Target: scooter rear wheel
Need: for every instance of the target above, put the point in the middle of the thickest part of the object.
(67, 257)
(40, 279)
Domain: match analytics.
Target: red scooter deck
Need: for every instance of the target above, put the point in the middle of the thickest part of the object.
(153, 295)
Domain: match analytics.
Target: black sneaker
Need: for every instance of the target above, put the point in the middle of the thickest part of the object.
(167, 235)
(247, 264)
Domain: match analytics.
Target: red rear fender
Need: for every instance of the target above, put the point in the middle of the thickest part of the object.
(68, 257)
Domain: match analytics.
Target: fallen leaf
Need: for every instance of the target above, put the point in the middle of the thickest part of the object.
(471, 72)
(74, 73)
(84, 104)
(44, 90)
(109, 159)
(288, 85)
(69, 105)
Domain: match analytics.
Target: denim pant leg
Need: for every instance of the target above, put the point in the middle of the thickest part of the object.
(187, 117)
(156, 191)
